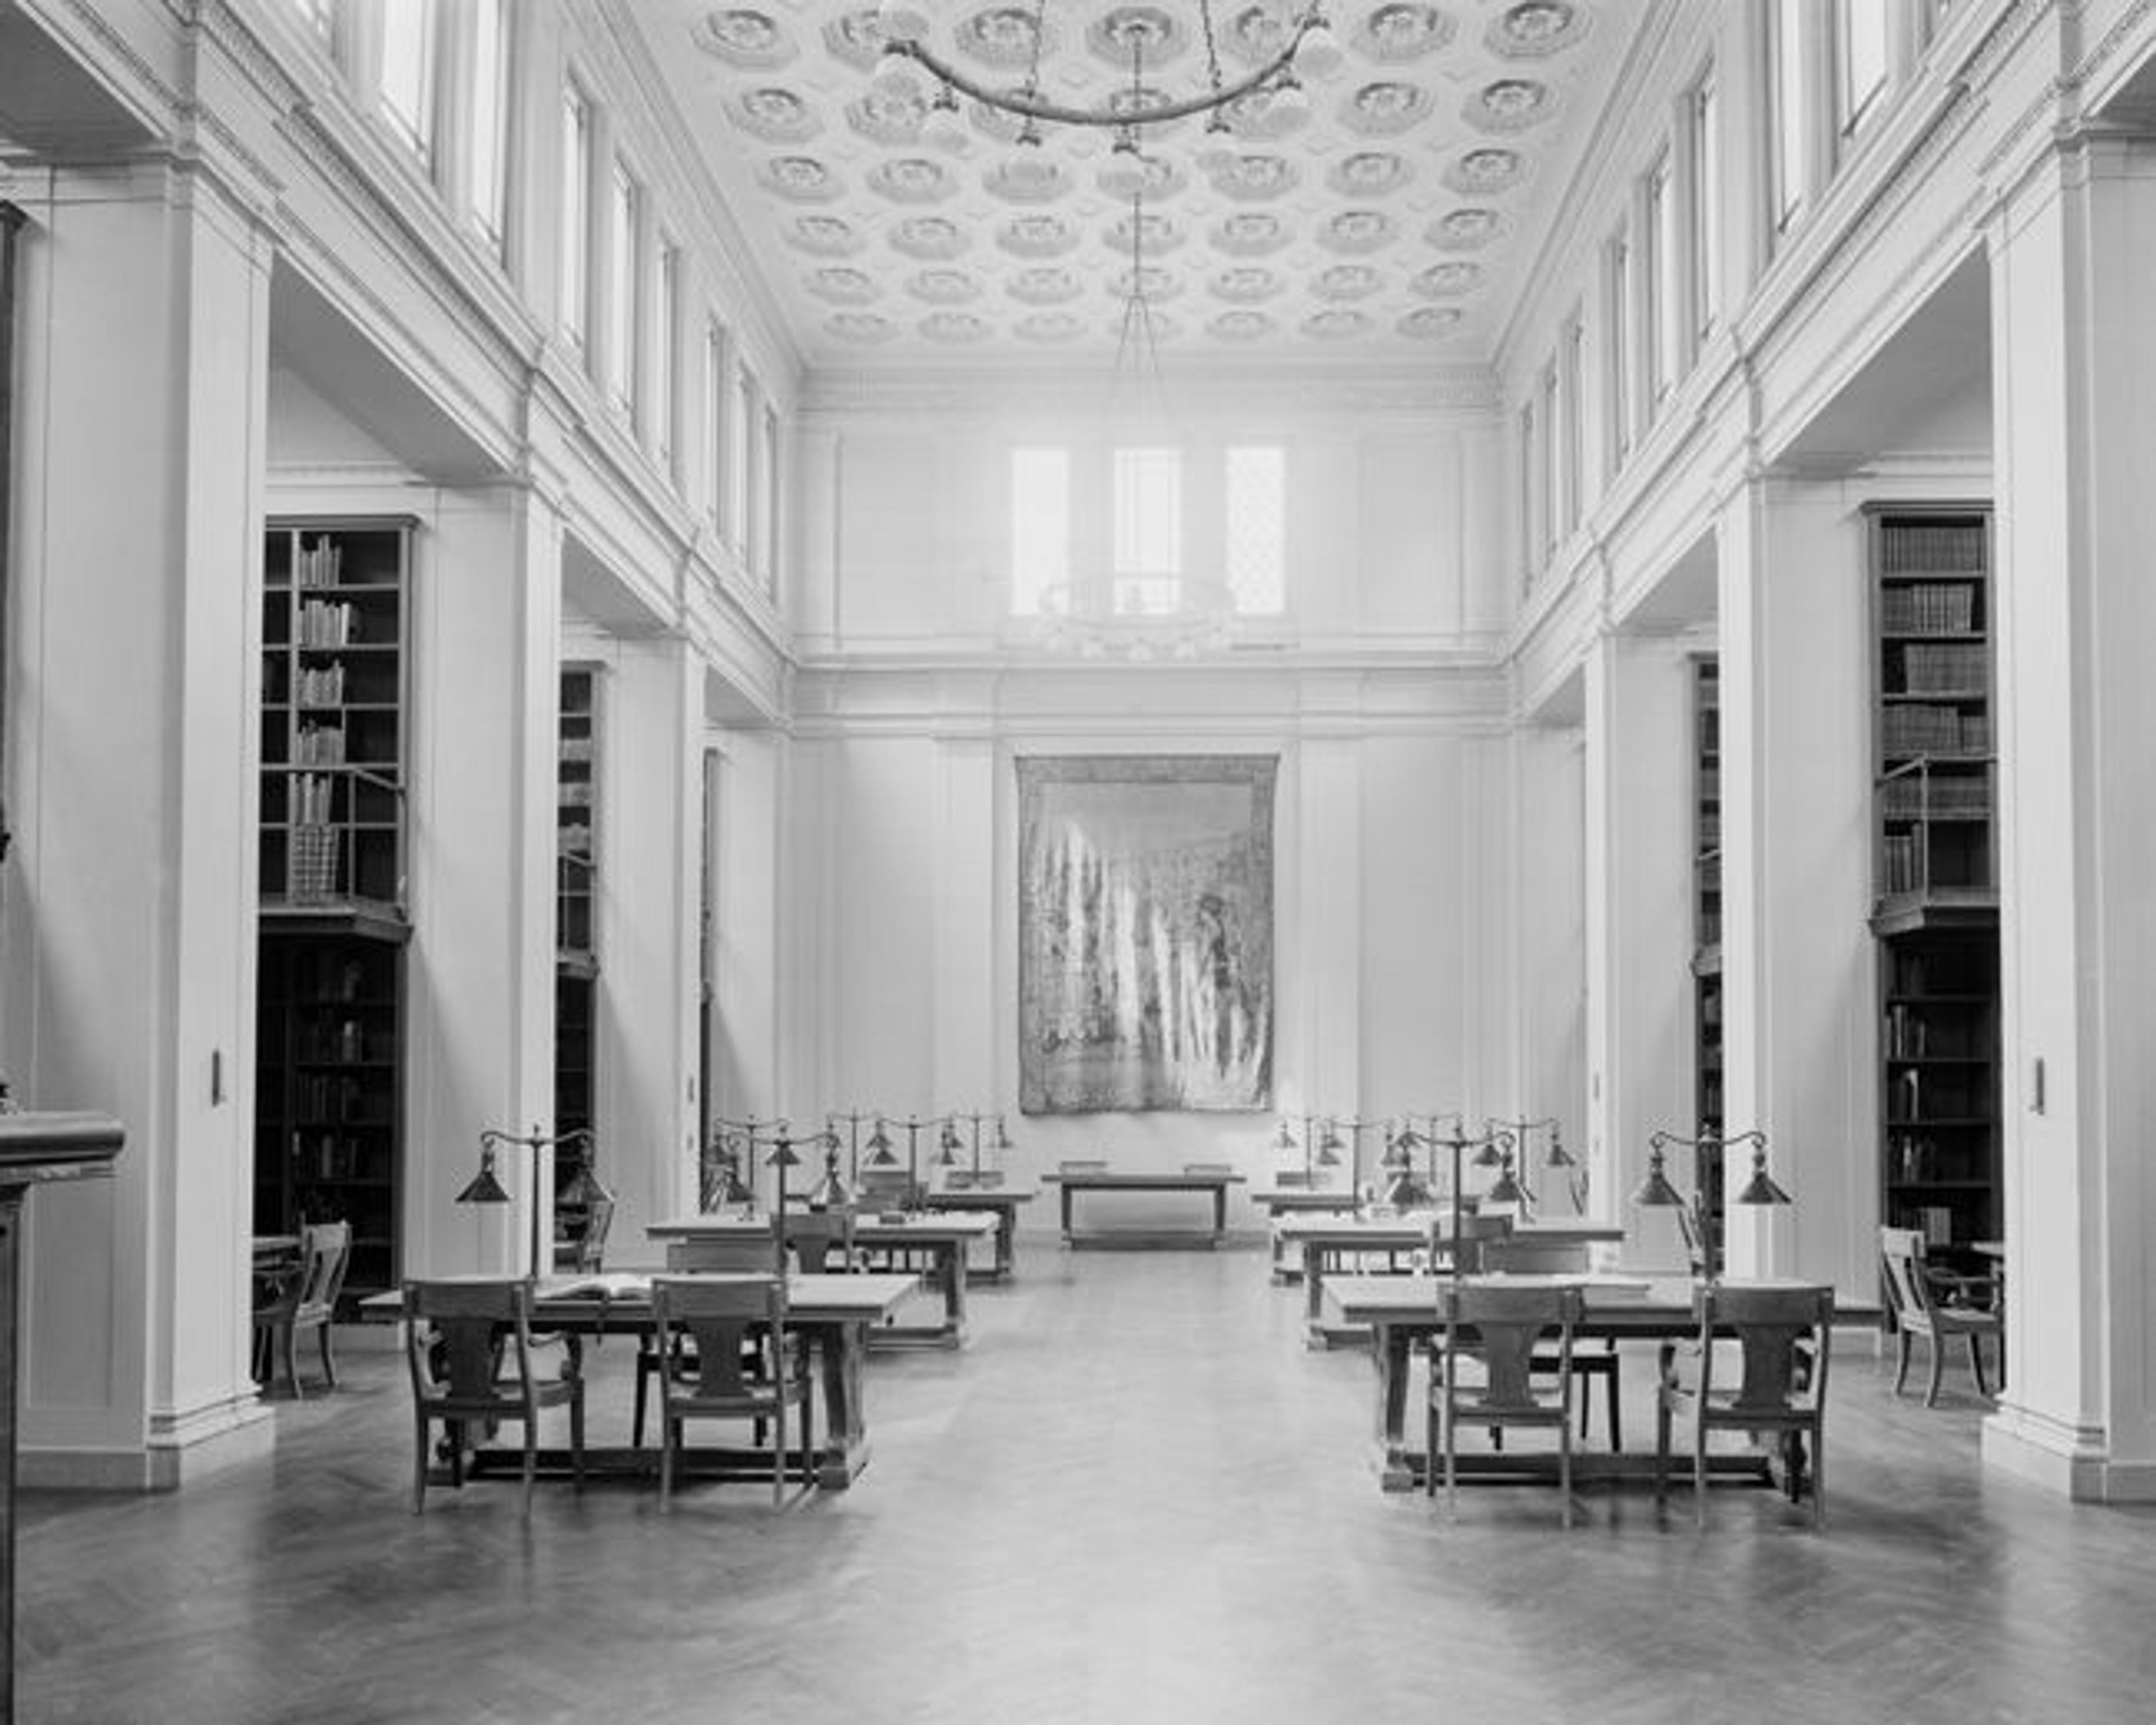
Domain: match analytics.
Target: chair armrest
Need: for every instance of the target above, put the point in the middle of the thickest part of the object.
(1955, 1287)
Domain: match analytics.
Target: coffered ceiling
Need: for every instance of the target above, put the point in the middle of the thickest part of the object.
(1392, 218)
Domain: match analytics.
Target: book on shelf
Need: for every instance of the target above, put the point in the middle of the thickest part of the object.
(1937, 608)
(325, 624)
(319, 564)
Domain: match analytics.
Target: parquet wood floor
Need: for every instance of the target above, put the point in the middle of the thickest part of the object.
(1136, 1497)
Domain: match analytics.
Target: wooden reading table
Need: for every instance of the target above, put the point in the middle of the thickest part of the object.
(940, 1238)
(1327, 1244)
(1402, 1313)
(989, 1196)
(1215, 1180)
(1298, 1200)
(835, 1313)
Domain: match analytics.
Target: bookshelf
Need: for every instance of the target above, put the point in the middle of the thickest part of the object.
(329, 1014)
(1707, 925)
(328, 1096)
(576, 963)
(333, 720)
(1935, 906)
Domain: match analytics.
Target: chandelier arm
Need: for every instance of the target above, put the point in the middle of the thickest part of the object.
(1035, 107)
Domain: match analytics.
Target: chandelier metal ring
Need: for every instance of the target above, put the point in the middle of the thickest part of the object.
(1277, 73)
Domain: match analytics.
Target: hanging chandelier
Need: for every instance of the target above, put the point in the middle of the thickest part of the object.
(1292, 39)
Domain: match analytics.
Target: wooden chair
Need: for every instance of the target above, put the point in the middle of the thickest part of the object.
(1486, 1379)
(1923, 1299)
(822, 1241)
(706, 1326)
(746, 1256)
(583, 1250)
(457, 1335)
(1783, 1335)
(1508, 1254)
(304, 1297)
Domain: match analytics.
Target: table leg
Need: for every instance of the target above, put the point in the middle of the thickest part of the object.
(1066, 1195)
(1220, 1213)
(1313, 1285)
(1006, 1242)
(1391, 1352)
(840, 1349)
(951, 1269)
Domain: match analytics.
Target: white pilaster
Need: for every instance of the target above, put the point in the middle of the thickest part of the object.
(2074, 399)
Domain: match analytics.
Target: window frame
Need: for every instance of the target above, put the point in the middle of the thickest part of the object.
(1274, 596)
(419, 130)
(573, 240)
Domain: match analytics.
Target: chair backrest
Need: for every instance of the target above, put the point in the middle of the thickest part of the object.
(590, 1244)
(1522, 1255)
(1508, 1321)
(1081, 1165)
(1783, 1334)
(887, 1187)
(1902, 1268)
(325, 1254)
(747, 1252)
(452, 1339)
(1471, 1243)
(822, 1241)
(717, 1313)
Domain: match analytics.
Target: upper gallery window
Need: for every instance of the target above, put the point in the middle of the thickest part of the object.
(1255, 528)
(623, 254)
(1040, 525)
(1789, 101)
(576, 216)
(1864, 31)
(1147, 514)
(407, 71)
(1705, 144)
(490, 118)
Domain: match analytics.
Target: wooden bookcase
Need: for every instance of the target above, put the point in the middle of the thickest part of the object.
(329, 1098)
(577, 962)
(329, 1095)
(1706, 931)
(1935, 906)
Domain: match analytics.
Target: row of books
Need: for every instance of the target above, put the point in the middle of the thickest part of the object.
(1935, 667)
(320, 686)
(1932, 547)
(1934, 1221)
(313, 795)
(322, 1097)
(1908, 797)
(320, 745)
(1921, 728)
(1943, 608)
(1914, 1158)
(325, 624)
(343, 1040)
(330, 1157)
(1912, 1035)
(317, 565)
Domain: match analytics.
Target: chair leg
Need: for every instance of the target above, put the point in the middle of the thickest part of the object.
(1818, 1479)
(576, 1433)
(1699, 1467)
(1661, 1452)
(644, 1365)
(329, 1360)
(288, 1345)
(778, 1454)
(419, 1467)
(1976, 1363)
(670, 1433)
(1939, 1366)
(531, 1458)
(1901, 1345)
(1616, 1405)
(1564, 1470)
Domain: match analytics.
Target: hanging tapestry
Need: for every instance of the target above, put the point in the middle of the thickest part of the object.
(1144, 932)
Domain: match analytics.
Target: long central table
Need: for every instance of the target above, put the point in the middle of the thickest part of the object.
(941, 1237)
(834, 1313)
(1327, 1243)
(1216, 1181)
(1402, 1313)
(1000, 1200)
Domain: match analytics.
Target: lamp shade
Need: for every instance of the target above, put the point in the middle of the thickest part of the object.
(1655, 1191)
(485, 1187)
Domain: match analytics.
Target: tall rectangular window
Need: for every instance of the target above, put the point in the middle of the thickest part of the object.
(1146, 524)
(1705, 146)
(1040, 525)
(490, 118)
(740, 415)
(1863, 28)
(769, 515)
(1789, 101)
(1547, 458)
(623, 354)
(716, 396)
(1254, 496)
(576, 235)
(1662, 319)
(1574, 503)
(1530, 540)
(665, 341)
(407, 71)
(1619, 270)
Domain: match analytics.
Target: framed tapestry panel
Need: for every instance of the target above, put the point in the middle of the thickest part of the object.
(1145, 906)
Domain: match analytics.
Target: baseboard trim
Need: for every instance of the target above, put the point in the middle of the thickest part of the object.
(2066, 1459)
(180, 1449)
